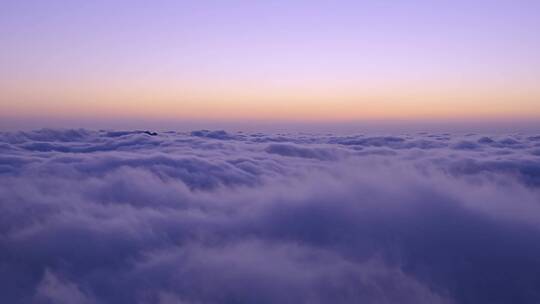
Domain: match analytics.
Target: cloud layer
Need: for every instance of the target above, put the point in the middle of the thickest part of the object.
(215, 217)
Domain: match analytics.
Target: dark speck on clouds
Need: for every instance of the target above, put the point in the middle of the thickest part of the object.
(216, 217)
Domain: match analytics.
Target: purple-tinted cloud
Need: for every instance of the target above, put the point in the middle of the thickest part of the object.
(213, 217)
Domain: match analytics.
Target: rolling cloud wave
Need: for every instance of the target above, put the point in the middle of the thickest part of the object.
(215, 217)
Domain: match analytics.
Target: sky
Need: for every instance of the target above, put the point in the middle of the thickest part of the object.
(68, 62)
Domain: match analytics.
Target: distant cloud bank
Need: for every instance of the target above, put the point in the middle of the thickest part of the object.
(216, 217)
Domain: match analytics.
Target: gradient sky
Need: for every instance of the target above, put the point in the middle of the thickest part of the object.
(269, 60)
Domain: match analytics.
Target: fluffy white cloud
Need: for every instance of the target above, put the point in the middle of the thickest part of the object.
(212, 217)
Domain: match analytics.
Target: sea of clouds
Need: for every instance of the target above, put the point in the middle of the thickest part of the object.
(216, 217)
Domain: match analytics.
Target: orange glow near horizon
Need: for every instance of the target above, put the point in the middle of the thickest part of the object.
(300, 104)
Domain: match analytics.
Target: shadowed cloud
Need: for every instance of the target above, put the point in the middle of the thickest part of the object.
(216, 217)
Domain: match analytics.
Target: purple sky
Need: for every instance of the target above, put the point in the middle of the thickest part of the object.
(254, 60)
